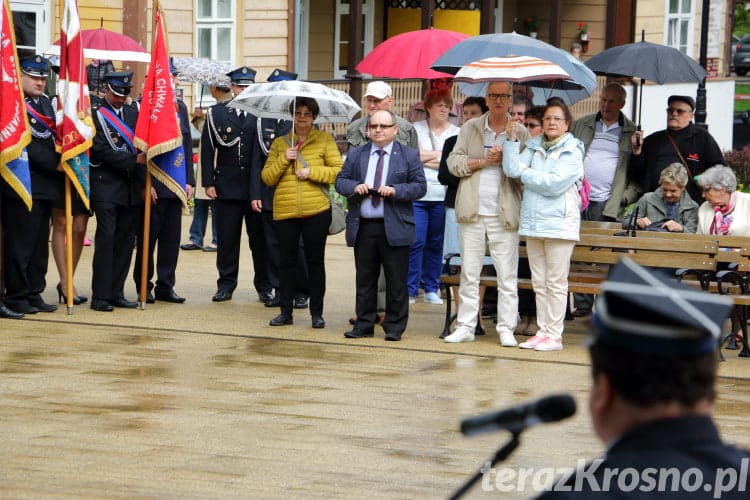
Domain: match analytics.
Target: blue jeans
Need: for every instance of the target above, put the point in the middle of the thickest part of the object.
(426, 253)
(200, 219)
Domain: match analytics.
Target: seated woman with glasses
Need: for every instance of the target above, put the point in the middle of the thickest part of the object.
(302, 165)
(726, 211)
(669, 208)
(551, 170)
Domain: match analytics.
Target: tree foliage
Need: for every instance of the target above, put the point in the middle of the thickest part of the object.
(741, 20)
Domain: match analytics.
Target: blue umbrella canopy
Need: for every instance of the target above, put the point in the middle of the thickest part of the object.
(505, 44)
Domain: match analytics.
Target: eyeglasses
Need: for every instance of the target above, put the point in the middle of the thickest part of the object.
(533, 125)
(496, 97)
(518, 113)
(555, 119)
(377, 126)
(679, 111)
(302, 114)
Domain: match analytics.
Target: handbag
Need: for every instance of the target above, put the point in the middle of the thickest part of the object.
(338, 214)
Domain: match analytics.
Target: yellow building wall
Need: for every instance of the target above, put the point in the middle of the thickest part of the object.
(320, 47)
(263, 35)
(463, 21)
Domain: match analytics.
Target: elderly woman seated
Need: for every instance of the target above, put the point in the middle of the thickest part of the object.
(670, 208)
(725, 211)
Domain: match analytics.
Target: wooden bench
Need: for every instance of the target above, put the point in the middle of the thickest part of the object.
(731, 276)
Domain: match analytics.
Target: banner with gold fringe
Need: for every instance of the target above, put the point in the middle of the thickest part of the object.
(15, 133)
(157, 130)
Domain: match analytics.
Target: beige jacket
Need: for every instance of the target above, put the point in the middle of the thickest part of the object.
(470, 145)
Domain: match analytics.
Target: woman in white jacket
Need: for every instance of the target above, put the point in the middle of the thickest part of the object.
(551, 170)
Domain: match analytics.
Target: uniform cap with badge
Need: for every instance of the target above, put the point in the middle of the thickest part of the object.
(242, 76)
(36, 65)
(279, 75)
(650, 313)
(119, 82)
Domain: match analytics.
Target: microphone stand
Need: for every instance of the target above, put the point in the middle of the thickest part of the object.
(499, 456)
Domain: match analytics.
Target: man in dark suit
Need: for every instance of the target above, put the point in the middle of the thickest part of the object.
(166, 222)
(117, 176)
(381, 179)
(231, 160)
(26, 251)
(653, 360)
(268, 130)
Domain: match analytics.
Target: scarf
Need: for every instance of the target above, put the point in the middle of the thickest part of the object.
(548, 144)
(723, 216)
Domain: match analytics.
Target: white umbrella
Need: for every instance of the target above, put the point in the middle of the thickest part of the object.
(201, 70)
(273, 99)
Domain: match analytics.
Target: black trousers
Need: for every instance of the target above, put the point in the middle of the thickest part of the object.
(314, 233)
(273, 254)
(26, 252)
(116, 226)
(166, 229)
(371, 251)
(229, 217)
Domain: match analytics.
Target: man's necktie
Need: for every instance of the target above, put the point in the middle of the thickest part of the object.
(378, 176)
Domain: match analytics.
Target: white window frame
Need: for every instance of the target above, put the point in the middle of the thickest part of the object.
(342, 9)
(672, 22)
(214, 23)
(43, 28)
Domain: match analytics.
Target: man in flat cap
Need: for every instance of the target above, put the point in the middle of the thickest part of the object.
(117, 184)
(681, 142)
(166, 221)
(653, 359)
(231, 160)
(26, 239)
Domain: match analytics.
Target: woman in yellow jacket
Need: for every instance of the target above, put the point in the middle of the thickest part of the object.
(302, 166)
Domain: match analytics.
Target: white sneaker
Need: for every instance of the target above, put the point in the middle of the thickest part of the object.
(507, 339)
(549, 344)
(532, 342)
(412, 300)
(460, 335)
(432, 298)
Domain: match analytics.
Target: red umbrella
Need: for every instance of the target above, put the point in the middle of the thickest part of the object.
(410, 54)
(108, 45)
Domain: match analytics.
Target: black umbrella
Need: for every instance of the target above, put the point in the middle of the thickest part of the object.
(647, 61)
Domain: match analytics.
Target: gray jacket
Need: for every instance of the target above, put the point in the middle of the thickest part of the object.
(624, 191)
(356, 133)
(651, 205)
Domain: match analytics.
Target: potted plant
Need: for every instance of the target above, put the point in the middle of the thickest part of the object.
(583, 31)
(532, 26)
(739, 161)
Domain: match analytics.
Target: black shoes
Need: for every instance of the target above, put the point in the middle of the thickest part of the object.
(5, 312)
(283, 319)
(394, 337)
(191, 246)
(274, 302)
(63, 299)
(149, 298)
(318, 322)
(300, 302)
(123, 302)
(359, 334)
(101, 305)
(265, 297)
(169, 296)
(41, 306)
(22, 307)
(222, 296)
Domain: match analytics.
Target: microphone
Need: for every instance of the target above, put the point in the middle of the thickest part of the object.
(547, 409)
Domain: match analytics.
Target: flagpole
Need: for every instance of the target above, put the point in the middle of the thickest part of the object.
(68, 247)
(145, 254)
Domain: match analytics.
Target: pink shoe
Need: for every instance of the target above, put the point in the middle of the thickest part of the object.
(86, 241)
(532, 342)
(549, 344)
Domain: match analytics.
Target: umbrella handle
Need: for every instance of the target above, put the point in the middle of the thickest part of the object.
(200, 102)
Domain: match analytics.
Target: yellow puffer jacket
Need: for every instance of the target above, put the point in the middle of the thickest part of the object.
(295, 198)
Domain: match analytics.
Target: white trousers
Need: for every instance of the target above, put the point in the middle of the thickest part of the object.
(475, 237)
(549, 260)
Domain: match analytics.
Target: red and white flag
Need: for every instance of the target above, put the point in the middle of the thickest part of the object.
(74, 124)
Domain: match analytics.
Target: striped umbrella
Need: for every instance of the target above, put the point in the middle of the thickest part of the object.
(514, 69)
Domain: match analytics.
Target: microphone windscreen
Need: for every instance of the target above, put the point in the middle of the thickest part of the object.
(555, 408)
